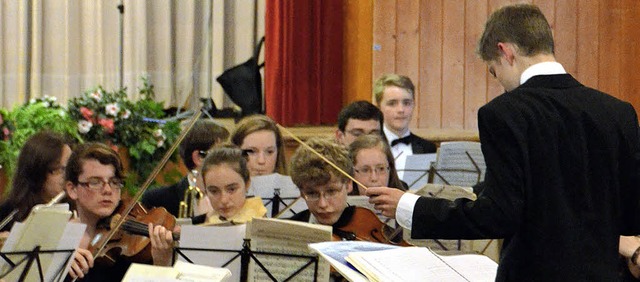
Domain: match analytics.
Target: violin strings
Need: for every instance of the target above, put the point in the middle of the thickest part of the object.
(321, 156)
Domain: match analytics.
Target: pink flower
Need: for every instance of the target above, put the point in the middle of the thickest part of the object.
(86, 113)
(112, 109)
(107, 124)
(84, 126)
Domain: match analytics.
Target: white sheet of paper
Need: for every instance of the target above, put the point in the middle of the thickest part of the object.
(265, 187)
(47, 227)
(286, 237)
(213, 237)
(455, 166)
(416, 170)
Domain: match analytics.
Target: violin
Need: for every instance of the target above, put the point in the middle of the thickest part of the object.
(131, 241)
(366, 226)
(134, 212)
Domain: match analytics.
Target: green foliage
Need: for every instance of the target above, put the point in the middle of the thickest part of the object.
(29, 119)
(112, 118)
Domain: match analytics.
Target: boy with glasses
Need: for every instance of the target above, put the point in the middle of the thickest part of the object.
(94, 181)
(357, 119)
(323, 187)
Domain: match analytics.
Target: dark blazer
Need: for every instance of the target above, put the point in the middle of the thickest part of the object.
(420, 145)
(168, 197)
(561, 183)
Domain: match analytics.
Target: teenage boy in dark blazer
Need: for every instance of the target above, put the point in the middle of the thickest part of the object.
(562, 161)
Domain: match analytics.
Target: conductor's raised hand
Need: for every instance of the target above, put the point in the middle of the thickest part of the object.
(385, 199)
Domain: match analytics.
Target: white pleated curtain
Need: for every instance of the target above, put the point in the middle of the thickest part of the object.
(63, 47)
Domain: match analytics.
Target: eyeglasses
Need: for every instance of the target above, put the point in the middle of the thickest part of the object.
(369, 170)
(57, 170)
(96, 184)
(360, 132)
(313, 196)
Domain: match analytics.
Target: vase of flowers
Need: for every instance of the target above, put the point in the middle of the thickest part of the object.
(138, 127)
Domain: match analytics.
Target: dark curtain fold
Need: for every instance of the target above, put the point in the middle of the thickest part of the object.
(303, 55)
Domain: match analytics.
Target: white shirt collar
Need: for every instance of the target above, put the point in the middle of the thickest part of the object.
(544, 68)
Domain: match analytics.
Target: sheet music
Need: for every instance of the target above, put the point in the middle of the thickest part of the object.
(213, 237)
(416, 170)
(264, 186)
(454, 165)
(336, 252)
(286, 237)
(47, 227)
(420, 264)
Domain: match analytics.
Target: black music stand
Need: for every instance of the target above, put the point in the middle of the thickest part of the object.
(29, 258)
(436, 172)
(275, 202)
(246, 255)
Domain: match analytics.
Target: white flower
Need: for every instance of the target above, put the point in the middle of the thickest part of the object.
(53, 98)
(112, 109)
(32, 100)
(96, 95)
(160, 143)
(126, 114)
(62, 113)
(157, 133)
(84, 126)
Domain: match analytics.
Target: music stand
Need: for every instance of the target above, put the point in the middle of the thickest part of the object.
(246, 255)
(28, 259)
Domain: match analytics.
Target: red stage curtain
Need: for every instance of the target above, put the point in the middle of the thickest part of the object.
(303, 55)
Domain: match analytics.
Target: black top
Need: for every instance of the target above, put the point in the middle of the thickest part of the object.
(168, 197)
(5, 209)
(420, 145)
(562, 183)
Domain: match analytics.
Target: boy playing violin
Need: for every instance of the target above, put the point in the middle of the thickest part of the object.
(94, 176)
(323, 187)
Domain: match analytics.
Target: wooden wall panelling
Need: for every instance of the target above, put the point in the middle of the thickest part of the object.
(408, 45)
(629, 53)
(384, 37)
(595, 41)
(430, 74)
(587, 43)
(609, 55)
(453, 64)
(475, 71)
(565, 34)
(358, 41)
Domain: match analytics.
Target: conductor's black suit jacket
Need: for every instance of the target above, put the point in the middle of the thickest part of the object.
(561, 183)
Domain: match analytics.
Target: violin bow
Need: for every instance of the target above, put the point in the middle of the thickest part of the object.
(320, 156)
(148, 181)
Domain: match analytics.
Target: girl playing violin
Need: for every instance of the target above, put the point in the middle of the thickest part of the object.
(226, 181)
(94, 181)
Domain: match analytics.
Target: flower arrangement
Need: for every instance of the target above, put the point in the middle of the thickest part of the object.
(110, 117)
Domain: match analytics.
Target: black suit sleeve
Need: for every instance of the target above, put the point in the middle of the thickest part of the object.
(497, 211)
